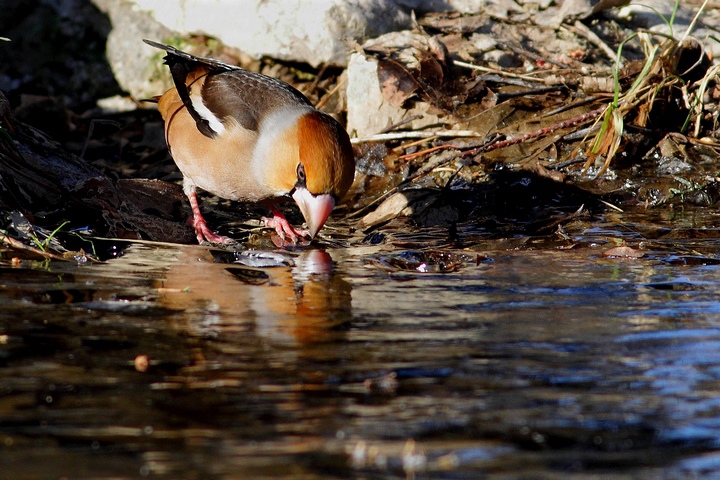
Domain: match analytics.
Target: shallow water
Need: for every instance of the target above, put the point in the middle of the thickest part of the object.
(509, 358)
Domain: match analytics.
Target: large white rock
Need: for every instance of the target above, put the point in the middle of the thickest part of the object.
(312, 31)
(496, 8)
(137, 67)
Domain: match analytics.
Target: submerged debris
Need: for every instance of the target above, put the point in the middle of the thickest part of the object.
(623, 251)
(421, 261)
(251, 276)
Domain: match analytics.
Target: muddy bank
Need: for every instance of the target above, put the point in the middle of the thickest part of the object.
(493, 116)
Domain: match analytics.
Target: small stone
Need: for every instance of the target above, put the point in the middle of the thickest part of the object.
(142, 362)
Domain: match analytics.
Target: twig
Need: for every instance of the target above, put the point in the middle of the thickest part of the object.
(518, 49)
(318, 77)
(692, 23)
(411, 156)
(384, 137)
(496, 71)
(614, 207)
(518, 82)
(566, 163)
(569, 106)
(405, 146)
(362, 210)
(91, 129)
(581, 133)
(329, 95)
(535, 91)
(571, 122)
(402, 122)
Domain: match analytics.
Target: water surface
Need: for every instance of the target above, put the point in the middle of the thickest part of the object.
(515, 358)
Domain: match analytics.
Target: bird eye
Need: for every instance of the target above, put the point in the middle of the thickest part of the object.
(301, 175)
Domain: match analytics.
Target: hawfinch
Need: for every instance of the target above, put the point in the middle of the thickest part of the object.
(252, 138)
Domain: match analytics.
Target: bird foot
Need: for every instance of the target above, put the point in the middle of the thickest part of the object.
(283, 228)
(203, 232)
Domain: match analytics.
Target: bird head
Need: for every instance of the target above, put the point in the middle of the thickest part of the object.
(325, 170)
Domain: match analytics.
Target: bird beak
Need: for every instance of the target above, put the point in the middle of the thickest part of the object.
(315, 208)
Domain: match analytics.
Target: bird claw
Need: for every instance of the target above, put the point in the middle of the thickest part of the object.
(287, 244)
(283, 228)
(203, 232)
(197, 221)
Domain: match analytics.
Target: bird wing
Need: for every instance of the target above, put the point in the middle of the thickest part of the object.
(226, 91)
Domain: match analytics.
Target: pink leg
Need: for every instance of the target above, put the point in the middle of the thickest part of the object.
(283, 227)
(202, 231)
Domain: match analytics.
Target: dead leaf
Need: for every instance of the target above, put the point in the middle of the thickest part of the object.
(396, 82)
(393, 206)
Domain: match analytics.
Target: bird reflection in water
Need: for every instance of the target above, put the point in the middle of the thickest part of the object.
(302, 304)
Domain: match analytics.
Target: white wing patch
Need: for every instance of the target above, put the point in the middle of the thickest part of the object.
(215, 123)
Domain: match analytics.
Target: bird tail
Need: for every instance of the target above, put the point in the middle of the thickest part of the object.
(154, 99)
(175, 56)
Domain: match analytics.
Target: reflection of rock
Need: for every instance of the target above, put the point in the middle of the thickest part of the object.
(302, 304)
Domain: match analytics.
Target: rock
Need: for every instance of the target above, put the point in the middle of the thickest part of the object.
(116, 104)
(400, 203)
(317, 32)
(314, 32)
(373, 104)
(137, 67)
(369, 113)
(496, 8)
(683, 16)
